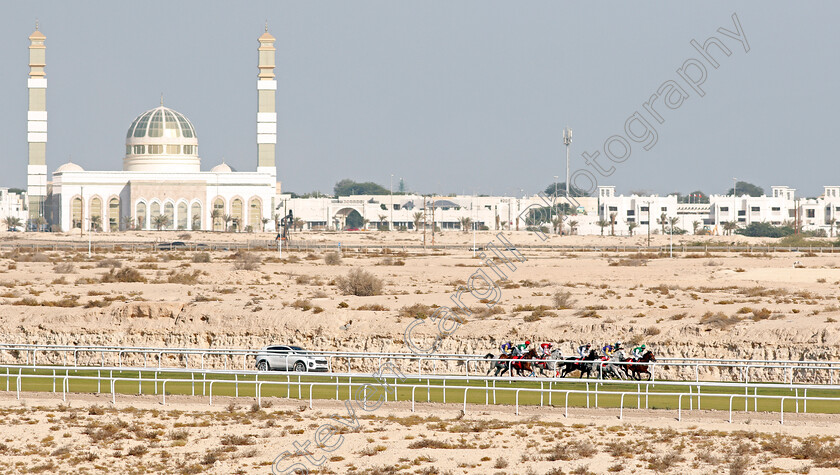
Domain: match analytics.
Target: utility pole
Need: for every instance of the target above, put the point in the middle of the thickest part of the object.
(567, 139)
(424, 222)
(734, 201)
(648, 220)
(553, 203)
(391, 222)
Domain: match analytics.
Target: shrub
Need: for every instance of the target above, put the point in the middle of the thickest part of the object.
(360, 283)
(417, 310)
(629, 263)
(109, 263)
(184, 277)
(563, 300)
(375, 307)
(127, 274)
(718, 320)
(246, 261)
(65, 268)
(302, 304)
(201, 257)
(332, 258)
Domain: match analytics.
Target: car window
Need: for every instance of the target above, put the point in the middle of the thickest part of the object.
(298, 349)
(277, 348)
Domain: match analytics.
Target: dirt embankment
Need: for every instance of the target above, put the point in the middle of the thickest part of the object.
(181, 325)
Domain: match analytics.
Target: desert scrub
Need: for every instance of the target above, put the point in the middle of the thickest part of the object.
(360, 283)
(332, 259)
(128, 274)
(417, 310)
(246, 261)
(201, 257)
(109, 263)
(563, 300)
(65, 268)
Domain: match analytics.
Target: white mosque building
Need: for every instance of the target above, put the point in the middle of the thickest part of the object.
(161, 185)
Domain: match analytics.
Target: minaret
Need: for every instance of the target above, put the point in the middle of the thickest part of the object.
(37, 125)
(266, 111)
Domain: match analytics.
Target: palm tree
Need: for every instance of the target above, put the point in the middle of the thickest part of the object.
(631, 226)
(603, 223)
(96, 223)
(12, 223)
(695, 225)
(573, 225)
(235, 225)
(215, 215)
(40, 221)
(557, 224)
(612, 223)
(729, 226)
(160, 221)
(126, 222)
(673, 222)
(196, 221)
(264, 221)
(227, 219)
(831, 226)
(297, 224)
(418, 217)
(663, 218)
(465, 223)
(382, 219)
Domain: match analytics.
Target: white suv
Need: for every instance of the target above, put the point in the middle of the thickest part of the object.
(289, 358)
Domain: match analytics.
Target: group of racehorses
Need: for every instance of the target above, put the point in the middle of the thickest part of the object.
(593, 363)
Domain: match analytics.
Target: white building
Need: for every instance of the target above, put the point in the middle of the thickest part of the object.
(161, 184)
(13, 205)
(782, 207)
(408, 211)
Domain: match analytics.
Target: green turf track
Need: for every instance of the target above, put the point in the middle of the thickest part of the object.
(186, 386)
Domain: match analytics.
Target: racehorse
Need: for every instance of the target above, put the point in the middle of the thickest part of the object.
(609, 369)
(500, 364)
(584, 366)
(639, 367)
(505, 363)
(549, 363)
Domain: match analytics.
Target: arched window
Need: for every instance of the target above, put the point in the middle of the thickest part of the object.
(183, 215)
(154, 213)
(140, 216)
(113, 215)
(255, 213)
(195, 216)
(218, 214)
(76, 213)
(169, 212)
(236, 214)
(95, 214)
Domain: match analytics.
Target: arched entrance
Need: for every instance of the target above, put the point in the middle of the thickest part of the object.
(348, 218)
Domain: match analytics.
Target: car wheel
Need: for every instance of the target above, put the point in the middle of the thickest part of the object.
(263, 366)
(300, 367)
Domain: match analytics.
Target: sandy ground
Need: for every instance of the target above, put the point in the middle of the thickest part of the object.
(758, 305)
(139, 435)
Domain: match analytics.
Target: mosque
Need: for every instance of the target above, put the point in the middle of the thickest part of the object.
(161, 185)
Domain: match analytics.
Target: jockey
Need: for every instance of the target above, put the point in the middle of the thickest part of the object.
(545, 348)
(506, 348)
(608, 350)
(583, 350)
(637, 352)
(617, 347)
(522, 348)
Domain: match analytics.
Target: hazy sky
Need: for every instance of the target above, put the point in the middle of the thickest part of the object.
(452, 96)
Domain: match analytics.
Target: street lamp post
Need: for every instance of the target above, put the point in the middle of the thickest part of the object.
(734, 201)
(554, 202)
(648, 220)
(567, 139)
(391, 222)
